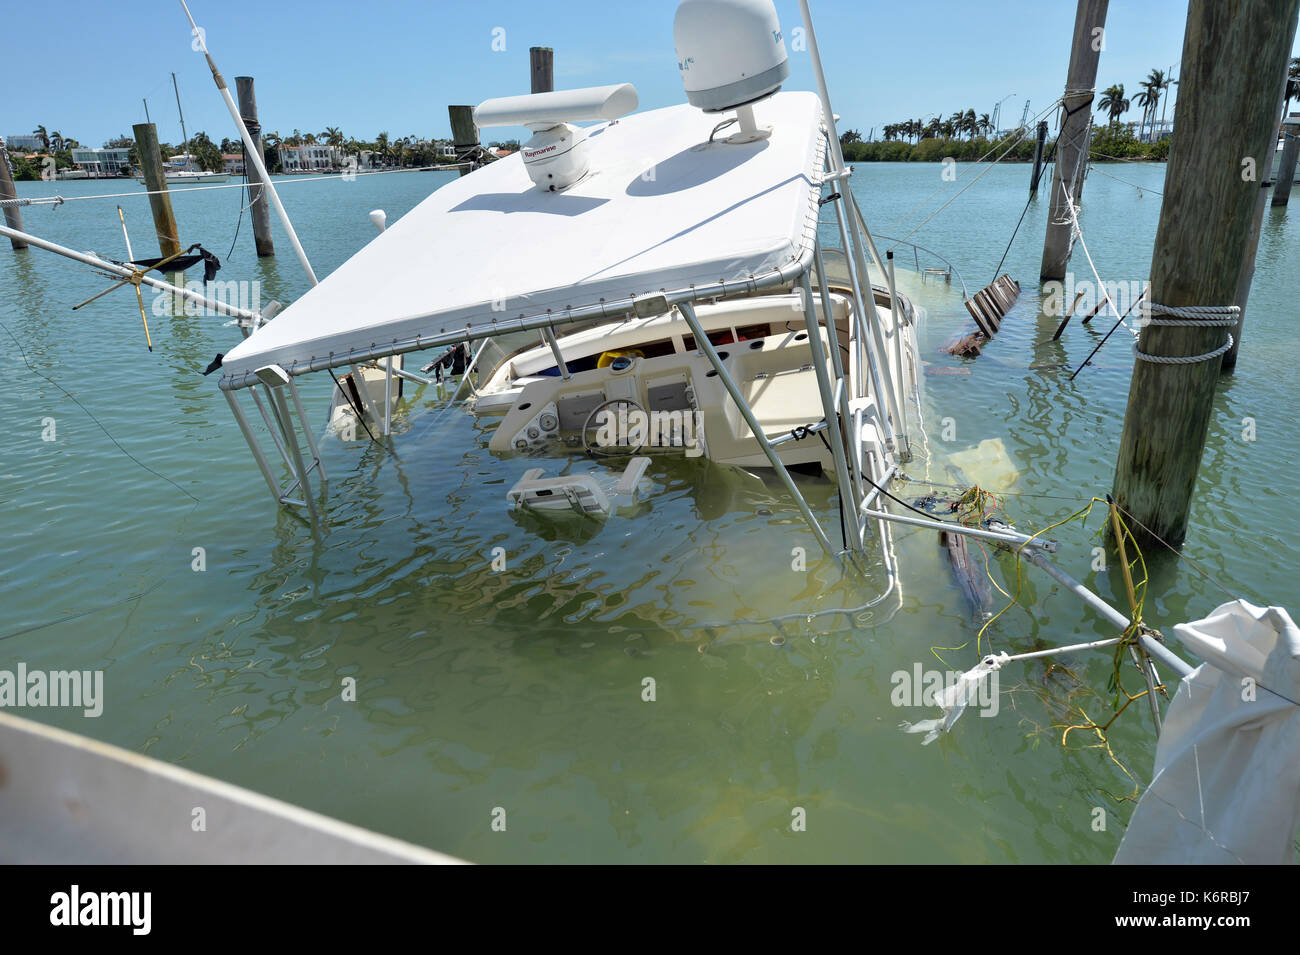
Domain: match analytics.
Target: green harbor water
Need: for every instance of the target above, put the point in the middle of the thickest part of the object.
(522, 688)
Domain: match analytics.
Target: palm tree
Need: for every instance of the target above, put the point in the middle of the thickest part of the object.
(984, 124)
(333, 136)
(57, 141)
(1157, 82)
(1169, 82)
(40, 133)
(969, 123)
(1147, 100)
(1113, 102)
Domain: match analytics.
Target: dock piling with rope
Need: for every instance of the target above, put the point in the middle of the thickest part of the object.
(155, 181)
(257, 205)
(1201, 242)
(13, 216)
(1037, 173)
(1072, 139)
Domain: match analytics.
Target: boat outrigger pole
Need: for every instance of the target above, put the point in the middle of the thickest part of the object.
(134, 276)
(251, 152)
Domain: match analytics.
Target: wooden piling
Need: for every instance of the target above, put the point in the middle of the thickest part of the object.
(1286, 168)
(464, 136)
(155, 180)
(1224, 113)
(1038, 158)
(260, 212)
(13, 215)
(1071, 144)
(1246, 274)
(541, 63)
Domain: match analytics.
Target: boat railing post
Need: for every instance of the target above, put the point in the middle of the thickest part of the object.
(704, 345)
(870, 329)
(856, 354)
(896, 333)
(548, 336)
(388, 396)
(830, 407)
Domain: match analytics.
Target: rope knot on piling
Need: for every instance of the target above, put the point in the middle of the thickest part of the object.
(1189, 316)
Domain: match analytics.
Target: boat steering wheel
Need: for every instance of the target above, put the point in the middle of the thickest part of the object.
(612, 451)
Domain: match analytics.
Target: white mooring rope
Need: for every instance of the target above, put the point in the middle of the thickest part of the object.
(1189, 316)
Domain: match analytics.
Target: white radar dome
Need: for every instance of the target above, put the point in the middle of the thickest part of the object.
(730, 52)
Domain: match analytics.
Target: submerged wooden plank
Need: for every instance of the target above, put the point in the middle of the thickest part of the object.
(969, 576)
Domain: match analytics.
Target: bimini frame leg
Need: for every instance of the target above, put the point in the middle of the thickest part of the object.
(280, 421)
(702, 342)
(252, 444)
(835, 432)
(311, 435)
(291, 439)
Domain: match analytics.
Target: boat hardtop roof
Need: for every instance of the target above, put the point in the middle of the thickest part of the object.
(662, 209)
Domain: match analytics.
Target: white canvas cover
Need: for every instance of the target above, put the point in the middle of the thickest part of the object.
(1227, 774)
(662, 209)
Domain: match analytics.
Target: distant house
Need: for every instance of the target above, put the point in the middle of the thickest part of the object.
(233, 163)
(101, 162)
(312, 156)
(501, 152)
(29, 143)
(447, 150)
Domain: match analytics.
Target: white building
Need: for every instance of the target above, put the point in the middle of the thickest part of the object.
(313, 156)
(233, 163)
(101, 162)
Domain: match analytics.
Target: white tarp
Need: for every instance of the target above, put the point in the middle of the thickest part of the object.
(1227, 771)
(662, 209)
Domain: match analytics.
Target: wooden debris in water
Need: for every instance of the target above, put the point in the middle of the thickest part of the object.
(988, 307)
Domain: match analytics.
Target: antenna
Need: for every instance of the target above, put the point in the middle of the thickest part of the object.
(251, 151)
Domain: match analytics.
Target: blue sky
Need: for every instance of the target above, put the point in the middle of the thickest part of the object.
(394, 65)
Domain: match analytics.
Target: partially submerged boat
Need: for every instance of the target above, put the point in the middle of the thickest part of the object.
(661, 281)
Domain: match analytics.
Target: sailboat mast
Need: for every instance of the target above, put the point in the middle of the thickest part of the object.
(182, 115)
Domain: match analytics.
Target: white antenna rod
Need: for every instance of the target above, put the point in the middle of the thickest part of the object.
(250, 151)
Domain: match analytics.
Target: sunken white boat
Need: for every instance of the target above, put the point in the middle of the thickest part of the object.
(656, 283)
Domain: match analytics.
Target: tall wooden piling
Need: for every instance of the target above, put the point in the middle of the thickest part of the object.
(1246, 274)
(1286, 168)
(464, 136)
(155, 180)
(258, 208)
(541, 63)
(1224, 113)
(1071, 143)
(13, 215)
(1038, 158)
